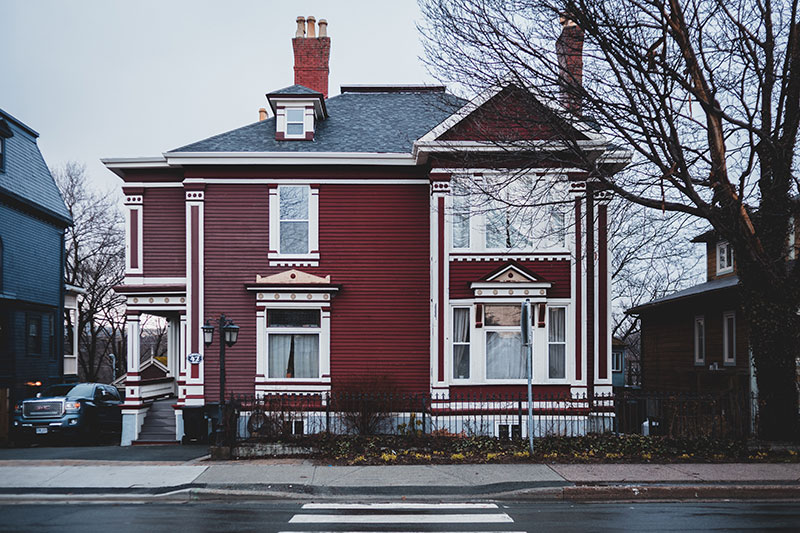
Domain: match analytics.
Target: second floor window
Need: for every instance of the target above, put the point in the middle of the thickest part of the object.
(724, 257)
(294, 219)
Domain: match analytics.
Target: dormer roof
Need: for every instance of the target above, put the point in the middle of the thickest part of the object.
(298, 95)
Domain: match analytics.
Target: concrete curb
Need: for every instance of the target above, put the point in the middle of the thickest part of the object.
(577, 493)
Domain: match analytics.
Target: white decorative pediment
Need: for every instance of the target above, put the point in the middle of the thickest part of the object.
(293, 277)
(512, 274)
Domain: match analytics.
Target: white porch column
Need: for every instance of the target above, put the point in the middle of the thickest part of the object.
(133, 410)
(181, 364)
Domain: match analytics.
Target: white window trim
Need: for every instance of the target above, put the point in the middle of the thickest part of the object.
(262, 346)
(275, 257)
(792, 244)
(471, 310)
(282, 121)
(728, 352)
(540, 345)
(566, 342)
(699, 350)
(727, 268)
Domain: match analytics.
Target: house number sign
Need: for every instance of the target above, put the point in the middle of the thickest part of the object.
(195, 358)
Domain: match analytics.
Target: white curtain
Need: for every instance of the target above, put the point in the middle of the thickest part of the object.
(293, 356)
(461, 350)
(306, 356)
(504, 357)
(557, 337)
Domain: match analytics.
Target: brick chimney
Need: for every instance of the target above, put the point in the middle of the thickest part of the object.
(569, 50)
(311, 54)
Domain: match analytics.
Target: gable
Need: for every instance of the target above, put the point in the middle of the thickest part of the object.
(510, 115)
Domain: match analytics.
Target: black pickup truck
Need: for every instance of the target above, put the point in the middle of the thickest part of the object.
(81, 411)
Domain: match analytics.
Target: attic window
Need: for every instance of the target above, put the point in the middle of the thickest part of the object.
(724, 257)
(295, 122)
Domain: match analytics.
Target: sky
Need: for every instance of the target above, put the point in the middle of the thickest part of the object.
(110, 78)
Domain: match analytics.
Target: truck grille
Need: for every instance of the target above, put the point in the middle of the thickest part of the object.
(42, 409)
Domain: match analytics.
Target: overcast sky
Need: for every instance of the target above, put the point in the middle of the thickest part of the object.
(107, 78)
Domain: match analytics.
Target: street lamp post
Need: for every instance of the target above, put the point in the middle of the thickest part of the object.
(230, 334)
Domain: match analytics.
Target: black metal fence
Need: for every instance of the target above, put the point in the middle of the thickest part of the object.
(273, 417)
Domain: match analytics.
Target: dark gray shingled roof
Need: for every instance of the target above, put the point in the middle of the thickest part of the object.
(295, 89)
(26, 177)
(702, 288)
(380, 122)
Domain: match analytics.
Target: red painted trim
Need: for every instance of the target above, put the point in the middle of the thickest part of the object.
(291, 382)
(440, 245)
(578, 292)
(194, 397)
(542, 311)
(194, 187)
(602, 289)
(132, 191)
(478, 315)
(134, 238)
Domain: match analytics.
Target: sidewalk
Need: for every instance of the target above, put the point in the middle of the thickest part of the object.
(288, 478)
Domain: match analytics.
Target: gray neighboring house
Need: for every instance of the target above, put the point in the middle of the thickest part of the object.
(33, 220)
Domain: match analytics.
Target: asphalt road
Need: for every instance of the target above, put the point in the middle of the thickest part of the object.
(105, 453)
(400, 515)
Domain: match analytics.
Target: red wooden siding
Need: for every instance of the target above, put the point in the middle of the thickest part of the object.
(236, 241)
(510, 115)
(164, 228)
(463, 273)
(373, 242)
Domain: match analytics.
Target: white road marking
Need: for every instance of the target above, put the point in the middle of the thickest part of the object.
(401, 518)
(382, 506)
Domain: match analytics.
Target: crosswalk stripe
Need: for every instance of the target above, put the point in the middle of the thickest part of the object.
(384, 506)
(401, 518)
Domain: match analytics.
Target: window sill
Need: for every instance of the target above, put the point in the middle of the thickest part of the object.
(276, 259)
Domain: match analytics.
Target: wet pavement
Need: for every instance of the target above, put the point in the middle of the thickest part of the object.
(402, 515)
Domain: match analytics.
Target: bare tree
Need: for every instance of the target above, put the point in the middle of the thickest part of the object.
(706, 96)
(95, 262)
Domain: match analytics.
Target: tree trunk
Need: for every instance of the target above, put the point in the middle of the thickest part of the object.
(771, 313)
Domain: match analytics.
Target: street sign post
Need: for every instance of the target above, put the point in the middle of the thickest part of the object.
(526, 326)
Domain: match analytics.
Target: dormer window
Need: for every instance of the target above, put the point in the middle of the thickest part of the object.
(297, 110)
(295, 122)
(724, 257)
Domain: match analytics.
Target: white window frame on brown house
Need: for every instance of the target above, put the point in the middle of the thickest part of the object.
(724, 257)
(729, 338)
(700, 340)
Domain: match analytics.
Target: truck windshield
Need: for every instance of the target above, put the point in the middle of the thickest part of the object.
(70, 390)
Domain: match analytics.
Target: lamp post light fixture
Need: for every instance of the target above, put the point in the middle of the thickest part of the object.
(230, 334)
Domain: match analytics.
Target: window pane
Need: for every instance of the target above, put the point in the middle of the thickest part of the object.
(293, 318)
(557, 361)
(294, 203)
(295, 129)
(460, 218)
(504, 357)
(295, 115)
(293, 356)
(502, 229)
(461, 327)
(502, 315)
(294, 238)
(557, 326)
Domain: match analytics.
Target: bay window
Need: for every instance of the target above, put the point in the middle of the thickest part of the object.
(461, 326)
(557, 342)
(504, 355)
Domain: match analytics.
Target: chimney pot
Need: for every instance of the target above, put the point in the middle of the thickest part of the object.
(310, 30)
(262, 114)
(301, 28)
(323, 28)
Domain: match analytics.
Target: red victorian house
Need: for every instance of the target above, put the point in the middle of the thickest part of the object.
(352, 236)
